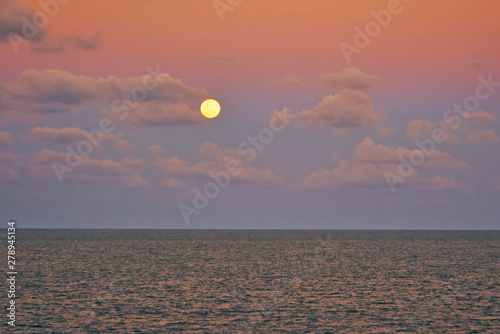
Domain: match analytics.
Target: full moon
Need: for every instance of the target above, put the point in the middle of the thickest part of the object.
(210, 108)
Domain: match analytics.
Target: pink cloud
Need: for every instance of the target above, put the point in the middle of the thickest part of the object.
(71, 136)
(167, 101)
(346, 110)
(61, 136)
(58, 44)
(438, 183)
(368, 166)
(368, 151)
(420, 129)
(175, 167)
(156, 149)
(173, 184)
(289, 82)
(133, 162)
(11, 20)
(355, 174)
(8, 173)
(16, 116)
(444, 160)
(384, 132)
(349, 173)
(40, 166)
(5, 139)
(348, 78)
(211, 150)
(118, 141)
(223, 59)
(153, 114)
(351, 78)
(481, 135)
(482, 117)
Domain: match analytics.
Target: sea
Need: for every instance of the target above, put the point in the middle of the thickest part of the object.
(256, 281)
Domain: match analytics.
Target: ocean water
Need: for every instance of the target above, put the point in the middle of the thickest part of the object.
(133, 281)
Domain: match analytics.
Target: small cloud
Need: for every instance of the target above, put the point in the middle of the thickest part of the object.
(349, 174)
(5, 139)
(173, 184)
(49, 91)
(478, 64)
(133, 162)
(60, 136)
(220, 158)
(156, 149)
(176, 167)
(222, 59)
(482, 135)
(288, 82)
(16, 23)
(8, 173)
(59, 44)
(40, 166)
(170, 102)
(420, 129)
(437, 183)
(368, 166)
(351, 78)
(91, 42)
(155, 114)
(482, 117)
(369, 152)
(211, 150)
(49, 45)
(13, 16)
(72, 136)
(384, 132)
(346, 110)
(118, 141)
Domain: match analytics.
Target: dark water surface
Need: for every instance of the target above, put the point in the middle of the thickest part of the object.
(126, 281)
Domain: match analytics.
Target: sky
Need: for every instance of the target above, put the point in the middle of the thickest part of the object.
(334, 114)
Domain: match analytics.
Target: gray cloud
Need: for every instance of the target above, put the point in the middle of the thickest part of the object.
(222, 59)
(13, 18)
(8, 173)
(61, 43)
(71, 136)
(352, 78)
(343, 111)
(170, 102)
(348, 78)
(40, 166)
(5, 138)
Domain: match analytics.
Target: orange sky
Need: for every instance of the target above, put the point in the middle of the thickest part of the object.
(441, 37)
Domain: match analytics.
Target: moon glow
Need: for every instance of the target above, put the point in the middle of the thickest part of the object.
(210, 108)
